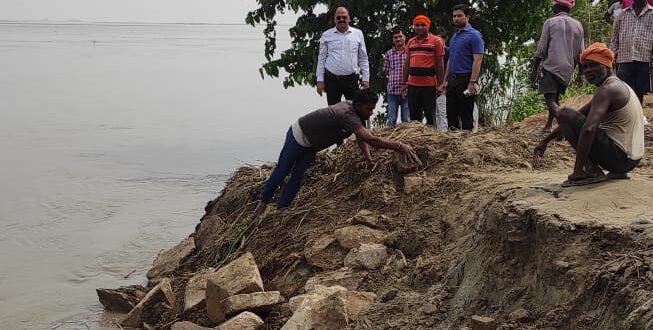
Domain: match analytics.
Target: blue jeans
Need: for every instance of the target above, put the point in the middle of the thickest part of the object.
(393, 108)
(294, 160)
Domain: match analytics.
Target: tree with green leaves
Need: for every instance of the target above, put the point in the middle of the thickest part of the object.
(507, 27)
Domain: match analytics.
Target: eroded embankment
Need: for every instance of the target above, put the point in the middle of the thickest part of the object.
(529, 261)
(480, 230)
(473, 230)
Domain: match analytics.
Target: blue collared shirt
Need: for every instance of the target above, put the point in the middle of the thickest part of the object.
(343, 54)
(463, 45)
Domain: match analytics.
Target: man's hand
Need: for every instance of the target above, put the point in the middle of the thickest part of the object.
(473, 88)
(320, 87)
(441, 89)
(365, 85)
(404, 90)
(372, 160)
(538, 154)
(409, 153)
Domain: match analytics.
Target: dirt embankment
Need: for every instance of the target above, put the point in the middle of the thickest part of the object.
(481, 231)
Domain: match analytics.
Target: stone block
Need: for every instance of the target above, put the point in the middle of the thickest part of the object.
(195, 293)
(344, 277)
(185, 325)
(238, 277)
(121, 300)
(353, 236)
(167, 261)
(483, 323)
(242, 321)
(367, 256)
(328, 313)
(149, 310)
(258, 302)
(413, 184)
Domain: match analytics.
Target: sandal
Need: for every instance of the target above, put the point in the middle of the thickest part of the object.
(583, 182)
(618, 176)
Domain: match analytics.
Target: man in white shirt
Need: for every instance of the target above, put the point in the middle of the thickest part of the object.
(342, 60)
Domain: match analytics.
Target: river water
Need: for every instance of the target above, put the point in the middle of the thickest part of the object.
(112, 139)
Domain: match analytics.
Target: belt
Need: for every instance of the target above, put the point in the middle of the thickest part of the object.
(331, 75)
(459, 75)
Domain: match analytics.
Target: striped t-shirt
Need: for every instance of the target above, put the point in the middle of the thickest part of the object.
(422, 54)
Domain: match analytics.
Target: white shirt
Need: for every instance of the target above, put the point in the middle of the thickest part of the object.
(343, 54)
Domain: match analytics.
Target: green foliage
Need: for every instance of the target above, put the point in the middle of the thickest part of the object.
(380, 119)
(525, 105)
(592, 17)
(576, 90)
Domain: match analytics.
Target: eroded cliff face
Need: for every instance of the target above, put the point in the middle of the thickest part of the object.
(474, 230)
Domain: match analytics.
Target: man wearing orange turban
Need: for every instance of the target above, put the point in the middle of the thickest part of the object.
(598, 52)
(423, 70)
(608, 132)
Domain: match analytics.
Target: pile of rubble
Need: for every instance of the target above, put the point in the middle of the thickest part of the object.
(233, 297)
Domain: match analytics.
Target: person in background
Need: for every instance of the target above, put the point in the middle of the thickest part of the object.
(466, 49)
(561, 42)
(393, 66)
(614, 12)
(319, 130)
(423, 70)
(632, 41)
(342, 60)
(441, 100)
(608, 132)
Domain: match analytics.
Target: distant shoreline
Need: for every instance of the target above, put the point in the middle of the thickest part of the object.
(74, 22)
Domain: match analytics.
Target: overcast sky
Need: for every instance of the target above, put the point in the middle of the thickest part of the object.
(208, 11)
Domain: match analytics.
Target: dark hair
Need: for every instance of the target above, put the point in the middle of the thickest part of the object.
(396, 30)
(365, 96)
(465, 8)
(558, 8)
(335, 8)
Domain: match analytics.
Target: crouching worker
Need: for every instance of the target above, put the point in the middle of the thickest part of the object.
(608, 132)
(319, 130)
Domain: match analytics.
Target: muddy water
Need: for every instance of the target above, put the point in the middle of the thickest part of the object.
(112, 138)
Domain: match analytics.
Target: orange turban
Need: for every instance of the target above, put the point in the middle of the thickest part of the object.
(422, 19)
(598, 52)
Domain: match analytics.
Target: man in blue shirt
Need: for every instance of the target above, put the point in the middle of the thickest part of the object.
(466, 49)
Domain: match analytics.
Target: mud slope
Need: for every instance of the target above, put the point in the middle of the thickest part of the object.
(474, 230)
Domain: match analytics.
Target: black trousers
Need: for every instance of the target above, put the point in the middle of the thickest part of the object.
(460, 108)
(604, 151)
(421, 102)
(337, 86)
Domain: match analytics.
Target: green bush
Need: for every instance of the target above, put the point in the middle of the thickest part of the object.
(575, 90)
(379, 119)
(524, 105)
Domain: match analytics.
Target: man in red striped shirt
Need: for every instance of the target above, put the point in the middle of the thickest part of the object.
(423, 70)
